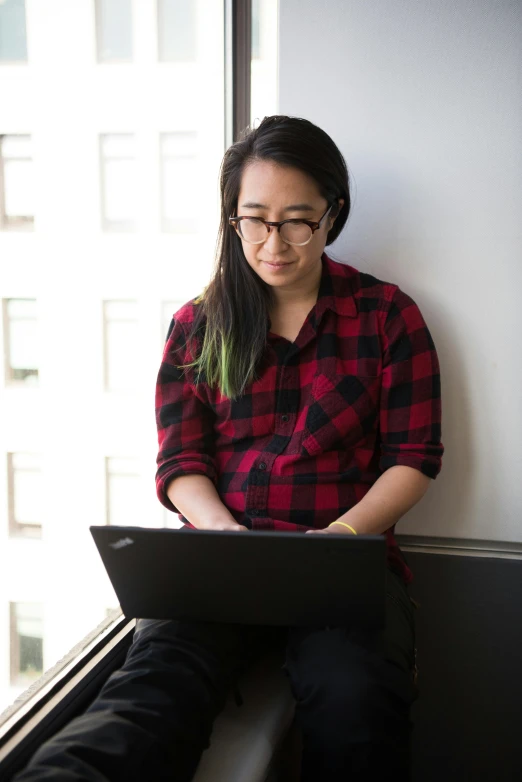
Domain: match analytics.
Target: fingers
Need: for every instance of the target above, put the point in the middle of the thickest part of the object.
(316, 532)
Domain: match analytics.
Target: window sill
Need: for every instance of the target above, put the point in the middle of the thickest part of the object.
(61, 692)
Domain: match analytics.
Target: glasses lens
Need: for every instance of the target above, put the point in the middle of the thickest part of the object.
(296, 233)
(253, 230)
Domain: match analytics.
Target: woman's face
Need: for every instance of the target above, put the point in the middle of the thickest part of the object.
(275, 193)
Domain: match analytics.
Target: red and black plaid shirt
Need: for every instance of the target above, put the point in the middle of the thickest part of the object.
(357, 392)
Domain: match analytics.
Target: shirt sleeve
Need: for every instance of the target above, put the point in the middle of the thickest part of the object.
(184, 422)
(410, 410)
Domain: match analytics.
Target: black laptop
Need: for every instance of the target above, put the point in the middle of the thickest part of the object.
(263, 578)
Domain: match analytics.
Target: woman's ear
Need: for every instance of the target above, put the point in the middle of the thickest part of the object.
(336, 208)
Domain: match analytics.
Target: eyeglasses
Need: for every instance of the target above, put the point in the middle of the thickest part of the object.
(255, 230)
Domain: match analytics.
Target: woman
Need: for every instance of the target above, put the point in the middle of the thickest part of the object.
(295, 394)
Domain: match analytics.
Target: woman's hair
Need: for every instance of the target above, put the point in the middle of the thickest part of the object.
(234, 307)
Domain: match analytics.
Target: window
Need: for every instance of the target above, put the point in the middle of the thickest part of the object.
(20, 341)
(256, 46)
(120, 338)
(24, 490)
(179, 182)
(118, 182)
(13, 38)
(26, 630)
(101, 292)
(122, 482)
(263, 87)
(16, 182)
(176, 30)
(114, 30)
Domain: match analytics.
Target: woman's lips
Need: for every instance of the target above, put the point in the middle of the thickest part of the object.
(278, 265)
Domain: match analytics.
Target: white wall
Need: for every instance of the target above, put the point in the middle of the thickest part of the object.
(424, 100)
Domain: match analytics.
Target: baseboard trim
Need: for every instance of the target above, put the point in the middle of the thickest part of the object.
(497, 549)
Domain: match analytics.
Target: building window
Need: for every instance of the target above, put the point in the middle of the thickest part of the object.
(176, 30)
(26, 632)
(114, 30)
(122, 491)
(13, 36)
(179, 182)
(16, 183)
(121, 339)
(24, 492)
(118, 182)
(20, 326)
(256, 43)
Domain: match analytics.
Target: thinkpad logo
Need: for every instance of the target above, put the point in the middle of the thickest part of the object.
(121, 543)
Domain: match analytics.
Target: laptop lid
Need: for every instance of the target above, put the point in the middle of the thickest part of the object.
(264, 578)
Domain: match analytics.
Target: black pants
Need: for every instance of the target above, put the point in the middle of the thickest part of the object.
(153, 717)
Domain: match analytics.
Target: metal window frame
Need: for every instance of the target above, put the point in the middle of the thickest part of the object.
(66, 689)
(238, 55)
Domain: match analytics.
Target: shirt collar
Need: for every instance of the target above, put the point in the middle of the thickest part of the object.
(335, 290)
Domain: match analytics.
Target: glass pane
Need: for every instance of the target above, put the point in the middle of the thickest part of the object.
(114, 30)
(99, 364)
(18, 188)
(27, 632)
(23, 334)
(176, 30)
(27, 494)
(13, 40)
(263, 95)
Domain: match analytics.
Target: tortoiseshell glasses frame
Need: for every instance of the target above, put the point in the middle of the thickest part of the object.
(312, 224)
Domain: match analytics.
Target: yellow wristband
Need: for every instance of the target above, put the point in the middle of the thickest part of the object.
(344, 525)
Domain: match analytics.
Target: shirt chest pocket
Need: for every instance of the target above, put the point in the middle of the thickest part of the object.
(343, 410)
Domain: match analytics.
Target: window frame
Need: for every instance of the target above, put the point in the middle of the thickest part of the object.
(62, 692)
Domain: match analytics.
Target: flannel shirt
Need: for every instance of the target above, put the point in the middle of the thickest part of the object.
(356, 393)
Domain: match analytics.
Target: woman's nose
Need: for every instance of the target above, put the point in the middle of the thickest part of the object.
(274, 242)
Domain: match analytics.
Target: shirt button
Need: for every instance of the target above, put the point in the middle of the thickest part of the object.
(255, 512)
(284, 418)
(262, 466)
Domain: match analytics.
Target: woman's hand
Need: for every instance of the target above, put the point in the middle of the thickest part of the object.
(332, 529)
(224, 525)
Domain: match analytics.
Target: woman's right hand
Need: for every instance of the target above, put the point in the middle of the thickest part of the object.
(224, 525)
